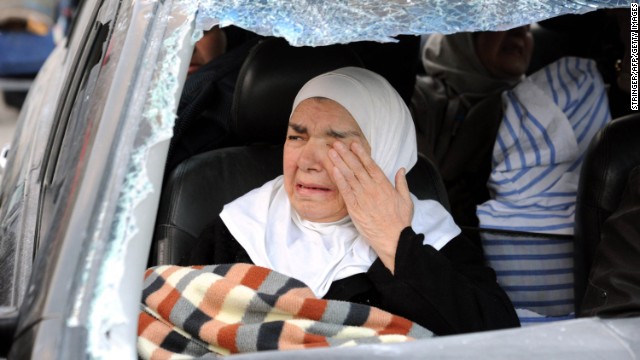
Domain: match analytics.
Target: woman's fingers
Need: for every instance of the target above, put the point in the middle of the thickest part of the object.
(348, 162)
(347, 175)
(344, 188)
(401, 184)
(356, 164)
(372, 169)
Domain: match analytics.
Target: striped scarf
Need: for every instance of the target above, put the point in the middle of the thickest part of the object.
(238, 308)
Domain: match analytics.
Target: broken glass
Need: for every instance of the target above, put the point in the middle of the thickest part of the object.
(317, 22)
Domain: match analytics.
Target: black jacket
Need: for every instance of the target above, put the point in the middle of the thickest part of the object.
(449, 291)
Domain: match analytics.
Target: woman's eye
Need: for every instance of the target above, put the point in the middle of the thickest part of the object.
(294, 137)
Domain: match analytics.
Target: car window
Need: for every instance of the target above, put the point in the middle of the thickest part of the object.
(324, 23)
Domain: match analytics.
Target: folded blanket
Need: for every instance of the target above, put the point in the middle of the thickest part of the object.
(237, 308)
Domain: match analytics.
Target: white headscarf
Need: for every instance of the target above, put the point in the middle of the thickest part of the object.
(275, 236)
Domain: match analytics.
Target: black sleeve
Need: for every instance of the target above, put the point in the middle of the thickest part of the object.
(449, 291)
(216, 245)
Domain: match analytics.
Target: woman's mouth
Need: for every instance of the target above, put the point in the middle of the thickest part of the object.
(309, 189)
(312, 187)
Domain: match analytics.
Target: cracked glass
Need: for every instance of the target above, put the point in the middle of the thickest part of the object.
(317, 22)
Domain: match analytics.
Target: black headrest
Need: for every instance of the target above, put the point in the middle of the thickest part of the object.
(269, 80)
(613, 152)
(199, 187)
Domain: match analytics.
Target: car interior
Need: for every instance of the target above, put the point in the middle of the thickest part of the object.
(198, 188)
(273, 71)
(195, 191)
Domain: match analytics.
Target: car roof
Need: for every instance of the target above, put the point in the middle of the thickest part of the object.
(317, 23)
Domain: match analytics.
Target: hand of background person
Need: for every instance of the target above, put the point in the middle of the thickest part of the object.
(379, 210)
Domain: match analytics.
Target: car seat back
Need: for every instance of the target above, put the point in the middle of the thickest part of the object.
(613, 152)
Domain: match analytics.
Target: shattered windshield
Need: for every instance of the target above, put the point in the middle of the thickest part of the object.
(318, 22)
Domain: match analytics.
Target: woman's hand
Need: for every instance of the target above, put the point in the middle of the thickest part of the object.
(378, 210)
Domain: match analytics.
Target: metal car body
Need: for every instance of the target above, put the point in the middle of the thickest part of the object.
(81, 187)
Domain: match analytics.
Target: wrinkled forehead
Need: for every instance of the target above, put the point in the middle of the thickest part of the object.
(346, 121)
(346, 92)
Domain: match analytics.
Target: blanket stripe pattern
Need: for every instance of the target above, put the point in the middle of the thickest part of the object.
(195, 311)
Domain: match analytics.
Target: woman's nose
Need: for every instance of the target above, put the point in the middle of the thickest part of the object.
(313, 156)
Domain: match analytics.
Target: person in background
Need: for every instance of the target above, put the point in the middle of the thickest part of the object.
(212, 44)
(510, 147)
(204, 110)
(457, 107)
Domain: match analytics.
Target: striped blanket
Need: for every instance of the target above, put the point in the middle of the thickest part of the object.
(198, 311)
(549, 121)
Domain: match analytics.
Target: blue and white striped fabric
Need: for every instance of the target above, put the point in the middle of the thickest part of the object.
(548, 122)
(536, 272)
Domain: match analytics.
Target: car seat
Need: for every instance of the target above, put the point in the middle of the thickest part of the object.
(195, 192)
(607, 163)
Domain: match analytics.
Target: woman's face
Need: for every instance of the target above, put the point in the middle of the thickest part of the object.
(505, 54)
(314, 126)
